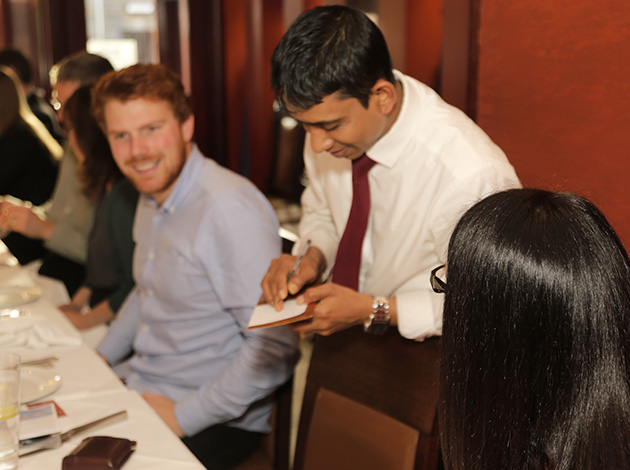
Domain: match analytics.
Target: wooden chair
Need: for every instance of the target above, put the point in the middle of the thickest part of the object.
(273, 453)
(370, 403)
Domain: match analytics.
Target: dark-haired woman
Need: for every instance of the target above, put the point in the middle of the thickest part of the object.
(110, 246)
(535, 370)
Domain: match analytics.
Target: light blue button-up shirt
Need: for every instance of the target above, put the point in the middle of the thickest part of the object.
(198, 263)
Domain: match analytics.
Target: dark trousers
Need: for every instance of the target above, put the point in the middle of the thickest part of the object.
(223, 447)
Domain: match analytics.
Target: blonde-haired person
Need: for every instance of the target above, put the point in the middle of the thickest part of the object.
(28, 153)
(29, 158)
(63, 226)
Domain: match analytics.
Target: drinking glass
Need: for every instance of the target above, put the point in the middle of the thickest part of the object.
(9, 410)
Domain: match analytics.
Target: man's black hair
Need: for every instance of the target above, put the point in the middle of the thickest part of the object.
(330, 49)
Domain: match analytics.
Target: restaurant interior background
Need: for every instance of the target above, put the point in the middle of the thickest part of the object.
(548, 81)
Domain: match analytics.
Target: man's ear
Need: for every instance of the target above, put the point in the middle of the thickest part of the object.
(188, 128)
(386, 96)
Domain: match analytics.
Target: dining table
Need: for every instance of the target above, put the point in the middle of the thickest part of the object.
(79, 383)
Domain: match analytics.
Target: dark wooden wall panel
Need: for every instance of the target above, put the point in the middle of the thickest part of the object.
(206, 76)
(267, 28)
(6, 28)
(169, 34)
(252, 30)
(236, 24)
(67, 26)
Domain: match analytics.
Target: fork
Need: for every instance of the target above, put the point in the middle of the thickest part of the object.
(48, 361)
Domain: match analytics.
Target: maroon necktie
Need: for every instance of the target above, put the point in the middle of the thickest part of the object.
(348, 261)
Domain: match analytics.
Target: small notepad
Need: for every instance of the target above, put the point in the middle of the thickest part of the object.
(265, 315)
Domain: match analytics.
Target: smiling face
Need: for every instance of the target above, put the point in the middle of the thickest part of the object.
(149, 144)
(344, 127)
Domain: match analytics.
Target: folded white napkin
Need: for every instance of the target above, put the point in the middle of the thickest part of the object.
(35, 334)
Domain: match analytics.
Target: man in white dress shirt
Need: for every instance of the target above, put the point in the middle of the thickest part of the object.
(333, 73)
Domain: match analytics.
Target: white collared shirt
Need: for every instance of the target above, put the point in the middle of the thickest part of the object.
(432, 165)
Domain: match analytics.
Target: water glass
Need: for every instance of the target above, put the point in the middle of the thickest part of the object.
(9, 410)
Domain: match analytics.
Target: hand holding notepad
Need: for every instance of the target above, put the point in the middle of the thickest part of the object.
(266, 316)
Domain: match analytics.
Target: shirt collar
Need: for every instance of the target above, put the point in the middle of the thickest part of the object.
(390, 147)
(183, 186)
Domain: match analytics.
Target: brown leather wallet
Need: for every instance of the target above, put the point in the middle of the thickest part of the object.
(99, 453)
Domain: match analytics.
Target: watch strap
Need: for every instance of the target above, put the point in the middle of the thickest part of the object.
(378, 321)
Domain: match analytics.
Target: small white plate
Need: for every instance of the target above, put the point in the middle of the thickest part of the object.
(18, 295)
(37, 383)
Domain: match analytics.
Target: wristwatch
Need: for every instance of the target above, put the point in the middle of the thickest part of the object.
(378, 321)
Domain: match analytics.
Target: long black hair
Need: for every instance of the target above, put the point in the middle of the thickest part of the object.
(535, 363)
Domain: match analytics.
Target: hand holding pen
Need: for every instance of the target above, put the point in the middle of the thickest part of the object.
(299, 260)
(288, 275)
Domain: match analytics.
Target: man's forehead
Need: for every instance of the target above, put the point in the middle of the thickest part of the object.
(138, 104)
(138, 111)
(332, 99)
(332, 108)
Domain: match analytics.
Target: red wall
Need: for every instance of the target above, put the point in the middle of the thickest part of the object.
(553, 91)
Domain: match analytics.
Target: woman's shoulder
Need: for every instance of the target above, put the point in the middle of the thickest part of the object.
(123, 190)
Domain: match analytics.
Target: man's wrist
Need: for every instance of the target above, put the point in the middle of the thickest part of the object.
(319, 260)
(379, 318)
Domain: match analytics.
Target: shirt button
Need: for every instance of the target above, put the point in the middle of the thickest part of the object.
(151, 255)
(67, 209)
(145, 328)
(150, 292)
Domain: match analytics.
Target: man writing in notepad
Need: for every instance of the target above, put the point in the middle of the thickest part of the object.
(390, 166)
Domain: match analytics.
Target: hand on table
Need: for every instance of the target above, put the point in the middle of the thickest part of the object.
(101, 313)
(80, 320)
(165, 408)
(274, 284)
(337, 308)
(23, 220)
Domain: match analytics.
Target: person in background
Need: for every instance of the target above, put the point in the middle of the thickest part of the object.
(64, 226)
(108, 278)
(22, 66)
(390, 169)
(28, 153)
(204, 236)
(28, 164)
(535, 368)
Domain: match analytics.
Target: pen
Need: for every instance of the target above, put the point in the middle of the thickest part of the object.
(299, 260)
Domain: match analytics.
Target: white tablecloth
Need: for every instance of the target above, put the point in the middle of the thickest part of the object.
(90, 390)
(157, 447)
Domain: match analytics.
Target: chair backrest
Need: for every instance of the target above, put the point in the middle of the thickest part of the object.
(273, 453)
(370, 402)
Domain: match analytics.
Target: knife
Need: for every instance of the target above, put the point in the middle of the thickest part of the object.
(52, 441)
